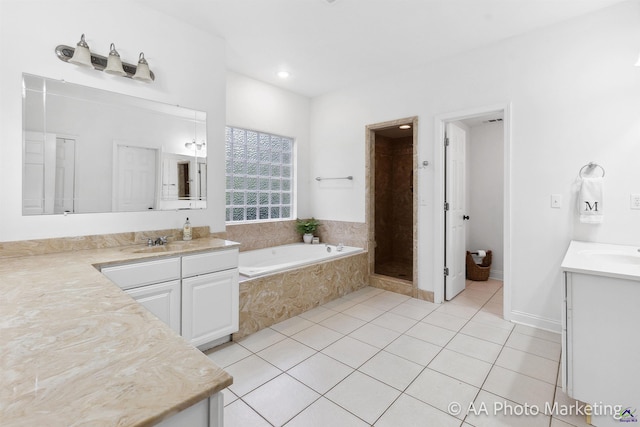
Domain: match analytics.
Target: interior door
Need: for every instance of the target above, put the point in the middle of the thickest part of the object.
(65, 175)
(136, 179)
(455, 238)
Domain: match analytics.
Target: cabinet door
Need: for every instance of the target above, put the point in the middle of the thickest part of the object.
(210, 306)
(163, 300)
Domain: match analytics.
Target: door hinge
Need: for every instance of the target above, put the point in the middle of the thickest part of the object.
(446, 271)
(446, 141)
(446, 206)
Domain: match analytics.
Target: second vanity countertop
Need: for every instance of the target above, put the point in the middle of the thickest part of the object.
(76, 350)
(601, 259)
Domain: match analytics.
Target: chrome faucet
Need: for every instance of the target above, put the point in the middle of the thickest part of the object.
(340, 247)
(157, 242)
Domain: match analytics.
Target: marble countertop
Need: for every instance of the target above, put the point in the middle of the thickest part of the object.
(619, 261)
(76, 350)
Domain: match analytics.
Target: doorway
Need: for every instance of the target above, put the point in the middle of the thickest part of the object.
(392, 148)
(483, 202)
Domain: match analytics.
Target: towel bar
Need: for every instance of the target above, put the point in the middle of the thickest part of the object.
(318, 178)
(590, 165)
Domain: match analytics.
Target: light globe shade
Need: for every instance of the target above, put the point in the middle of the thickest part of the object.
(638, 62)
(142, 71)
(114, 63)
(81, 54)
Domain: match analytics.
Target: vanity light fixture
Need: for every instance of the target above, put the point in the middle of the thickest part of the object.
(283, 74)
(81, 55)
(404, 126)
(142, 72)
(193, 143)
(114, 63)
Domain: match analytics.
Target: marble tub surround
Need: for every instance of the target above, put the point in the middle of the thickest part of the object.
(261, 235)
(76, 243)
(75, 349)
(270, 299)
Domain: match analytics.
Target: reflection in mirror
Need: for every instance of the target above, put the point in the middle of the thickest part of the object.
(87, 150)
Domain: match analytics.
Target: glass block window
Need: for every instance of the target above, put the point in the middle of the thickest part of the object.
(259, 172)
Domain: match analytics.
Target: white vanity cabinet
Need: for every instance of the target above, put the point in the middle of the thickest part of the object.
(196, 295)
(155, 285)
(601, 314)
(210, 296)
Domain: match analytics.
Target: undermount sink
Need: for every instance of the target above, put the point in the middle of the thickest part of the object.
(613, 256)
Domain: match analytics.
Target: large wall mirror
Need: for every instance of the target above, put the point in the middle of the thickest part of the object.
(87, 150)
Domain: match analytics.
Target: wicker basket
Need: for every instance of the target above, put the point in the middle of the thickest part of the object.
(478, 273)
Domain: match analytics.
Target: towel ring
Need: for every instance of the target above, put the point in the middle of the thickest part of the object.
(590, 166)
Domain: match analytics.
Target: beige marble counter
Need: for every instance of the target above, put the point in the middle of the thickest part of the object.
(77, 350)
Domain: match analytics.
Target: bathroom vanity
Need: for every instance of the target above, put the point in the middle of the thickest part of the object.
(601, 315)
(75, 348)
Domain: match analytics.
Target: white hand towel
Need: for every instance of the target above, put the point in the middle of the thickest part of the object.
(590, 201)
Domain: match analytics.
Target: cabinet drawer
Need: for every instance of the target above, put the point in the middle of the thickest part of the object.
(129, 276)
(209, 262)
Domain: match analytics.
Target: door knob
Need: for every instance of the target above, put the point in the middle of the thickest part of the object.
(465, 217)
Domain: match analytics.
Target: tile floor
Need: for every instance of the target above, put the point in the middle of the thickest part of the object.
(378, 358)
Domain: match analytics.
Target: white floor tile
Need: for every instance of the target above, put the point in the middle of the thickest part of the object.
(493, 308)
(292, 326)
(228, 355)
(281, 399)
(567, 402)
(239, 414)
(286, 353)
(492, 319)
(440, 391)
(320, 372)
(391, 369)
(317, 314)
(375, 335)
(519, 388)
(340, 304)
(228, 397)
(414, 349)
(317, 337)
(533, 345)
(261, 339)
(433, 334)
(447, 321)
(363, 396)
(250, 373)
(486, 332)
(408, 411)
(386, 301)
(464, 368)
(457, 310)
(342, 323)
(497, 414)
(350, 351)
(324, 413)
(474, 347)
(412, 310)
(363, 312)
(394, 322)
(528, 364)
(538, 333)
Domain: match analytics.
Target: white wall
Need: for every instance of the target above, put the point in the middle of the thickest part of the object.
(574, 94)
(189, 68)
(255, 105)
(485, 192)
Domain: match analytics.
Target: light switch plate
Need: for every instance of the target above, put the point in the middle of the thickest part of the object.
(635, 201)
(556, 201)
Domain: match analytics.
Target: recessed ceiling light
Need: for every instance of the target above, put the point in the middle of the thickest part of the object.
(283, 74)
(405, 126)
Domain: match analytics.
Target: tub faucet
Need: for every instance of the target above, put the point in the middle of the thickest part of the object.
(340, 247)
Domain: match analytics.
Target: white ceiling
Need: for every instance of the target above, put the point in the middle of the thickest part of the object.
(327, 46)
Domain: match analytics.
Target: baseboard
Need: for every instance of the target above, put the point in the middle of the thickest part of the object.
(496, 274)
(535, 321)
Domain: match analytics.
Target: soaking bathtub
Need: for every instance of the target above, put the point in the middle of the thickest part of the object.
(279, 258)
(281, 282)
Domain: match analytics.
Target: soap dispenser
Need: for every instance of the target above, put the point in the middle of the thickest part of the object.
(186, 230)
